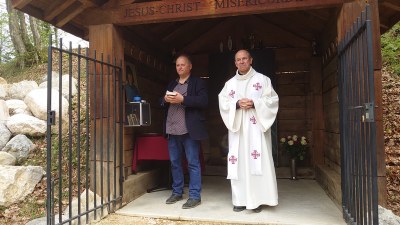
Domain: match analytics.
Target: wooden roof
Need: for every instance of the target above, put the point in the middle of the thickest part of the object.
(299, 22)
(389, 14)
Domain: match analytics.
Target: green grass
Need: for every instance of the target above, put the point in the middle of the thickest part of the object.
(33, 208)
(390, 42)
(14, 74)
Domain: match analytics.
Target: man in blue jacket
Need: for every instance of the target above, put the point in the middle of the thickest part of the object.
(184, 100)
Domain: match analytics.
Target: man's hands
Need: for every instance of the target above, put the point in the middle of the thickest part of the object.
(245, 103)
(173, 97)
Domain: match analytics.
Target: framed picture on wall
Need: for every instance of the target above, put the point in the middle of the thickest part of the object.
(131, 85)
(131, 76)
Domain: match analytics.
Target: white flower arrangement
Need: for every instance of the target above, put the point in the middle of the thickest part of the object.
(296, 147)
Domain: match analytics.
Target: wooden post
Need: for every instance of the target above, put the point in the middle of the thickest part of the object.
(107, 41)
(380, 145)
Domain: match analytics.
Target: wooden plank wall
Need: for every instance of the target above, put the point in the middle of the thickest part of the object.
(293, 67)
(331, 115)
(328, 172)
(151, 82)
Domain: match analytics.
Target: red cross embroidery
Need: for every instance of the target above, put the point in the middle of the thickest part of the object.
(253, 120)
(257, 86)
(232, 94)
(255, 154)
(232, 159)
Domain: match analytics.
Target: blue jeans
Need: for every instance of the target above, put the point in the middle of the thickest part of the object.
(177, 145)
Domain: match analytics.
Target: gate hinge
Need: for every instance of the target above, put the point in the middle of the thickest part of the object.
(369, 115)
(51, 117)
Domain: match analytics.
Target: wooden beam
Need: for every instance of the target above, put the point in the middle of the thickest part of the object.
(163, 29)
(384, 26)
(75, 30)
(391, 4)
(132, 38)
(56, 8)
(164, 11)
(100, 2)
(286, 35)
(205, 38)
(19, 4)
(310, 25)
(199, 28)
(126, 2)
(319, 15)
(151, 38)
(179, 31)
(71, 12)
(68, 15)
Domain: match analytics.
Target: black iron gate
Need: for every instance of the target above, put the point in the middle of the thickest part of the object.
(357, 125)
(84, 154)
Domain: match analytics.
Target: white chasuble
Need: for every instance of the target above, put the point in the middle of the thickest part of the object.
(250, 163)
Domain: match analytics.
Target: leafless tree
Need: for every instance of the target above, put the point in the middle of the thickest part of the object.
(36, 37)
(15, 34)
(22, 27)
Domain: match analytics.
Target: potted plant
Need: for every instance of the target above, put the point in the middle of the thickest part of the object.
(297, 148)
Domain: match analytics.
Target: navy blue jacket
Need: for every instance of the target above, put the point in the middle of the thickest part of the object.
(195, 101)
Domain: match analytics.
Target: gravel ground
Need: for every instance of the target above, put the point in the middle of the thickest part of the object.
(115, 219)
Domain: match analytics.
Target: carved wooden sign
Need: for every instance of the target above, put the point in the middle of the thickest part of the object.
(163, 11)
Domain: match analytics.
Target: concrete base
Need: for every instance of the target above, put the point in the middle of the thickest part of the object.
(330, 181)
(301, 202)
(137, 184)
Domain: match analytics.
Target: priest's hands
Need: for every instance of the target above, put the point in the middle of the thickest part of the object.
(245, 103)
(173, 97)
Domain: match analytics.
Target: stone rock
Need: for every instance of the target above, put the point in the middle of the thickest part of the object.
(5, 135)
(16, 106)
(387, 217)
(25, 124)
(36, 101)
(55, 84)
(16, 182)
(3, 91)
(38, 221)
(74, 205)
(6, 159)
(21, 89)
(54, 75)
(4, 115)
(19, 146)
(3, 81)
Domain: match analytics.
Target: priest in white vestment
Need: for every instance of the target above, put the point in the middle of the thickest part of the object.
(248, 105)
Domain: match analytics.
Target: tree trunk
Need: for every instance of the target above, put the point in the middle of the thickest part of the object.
(36, 37)
(22, 28)
(15, 34)
(1, 50)
(31, 55)
(35, 32)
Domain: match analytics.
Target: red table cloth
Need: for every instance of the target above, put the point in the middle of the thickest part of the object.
(150, 147)
(155, 147)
